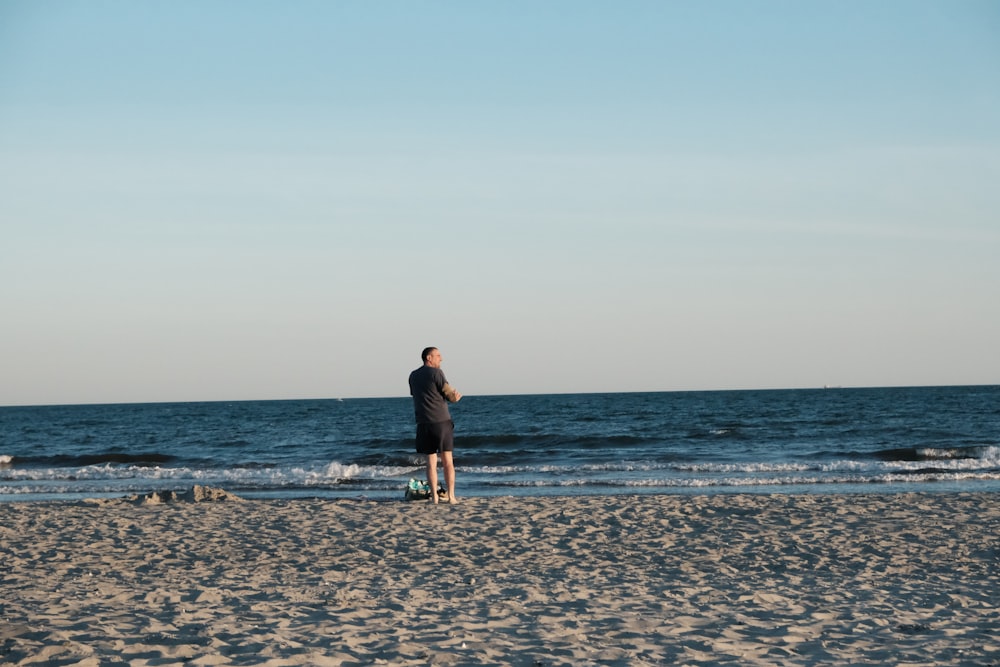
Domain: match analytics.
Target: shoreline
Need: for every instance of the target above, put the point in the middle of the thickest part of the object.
(893, 488)
(759, 579)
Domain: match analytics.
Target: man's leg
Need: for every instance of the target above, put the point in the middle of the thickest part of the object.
(432, 475)
(449, 475)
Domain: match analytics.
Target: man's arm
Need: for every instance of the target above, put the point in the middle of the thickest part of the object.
(451, 393)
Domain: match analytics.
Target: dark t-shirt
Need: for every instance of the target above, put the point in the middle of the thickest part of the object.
(427, 389)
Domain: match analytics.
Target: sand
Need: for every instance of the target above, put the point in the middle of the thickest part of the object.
(902, 579)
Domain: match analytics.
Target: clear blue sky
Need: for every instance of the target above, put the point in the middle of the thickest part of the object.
(206, 200)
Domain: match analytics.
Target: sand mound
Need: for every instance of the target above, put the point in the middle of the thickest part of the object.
(197, 494)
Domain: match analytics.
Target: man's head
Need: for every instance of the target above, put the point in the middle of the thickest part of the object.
(431, 357)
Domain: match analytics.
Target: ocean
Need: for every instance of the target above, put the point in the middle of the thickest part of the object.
(837, 440)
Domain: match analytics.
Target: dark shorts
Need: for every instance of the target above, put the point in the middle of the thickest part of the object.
(436, 438)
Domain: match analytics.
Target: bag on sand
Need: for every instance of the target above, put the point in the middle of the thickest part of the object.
(418, 490)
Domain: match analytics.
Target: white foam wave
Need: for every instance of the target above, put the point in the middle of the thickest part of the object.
(750, 482)
(262, 477)
(745, 467)
(338, 477)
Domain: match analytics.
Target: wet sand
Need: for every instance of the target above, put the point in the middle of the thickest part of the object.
(905, 579)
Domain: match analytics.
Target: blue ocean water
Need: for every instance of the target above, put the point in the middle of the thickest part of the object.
(823, 440)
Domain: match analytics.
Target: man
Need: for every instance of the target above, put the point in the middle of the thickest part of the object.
(435, 430)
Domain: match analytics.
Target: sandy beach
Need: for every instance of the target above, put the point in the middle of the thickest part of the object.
(902, 579)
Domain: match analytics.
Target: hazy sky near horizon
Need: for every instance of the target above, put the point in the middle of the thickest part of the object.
(212, 200)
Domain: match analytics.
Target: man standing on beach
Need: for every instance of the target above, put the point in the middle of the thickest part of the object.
(435, 430)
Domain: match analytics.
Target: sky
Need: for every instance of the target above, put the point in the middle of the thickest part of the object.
(247, 199)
